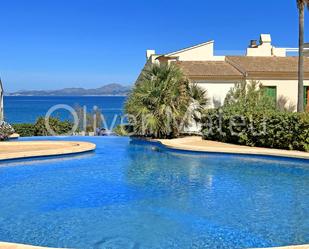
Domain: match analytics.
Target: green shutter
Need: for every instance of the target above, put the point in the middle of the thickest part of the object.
(271, 91)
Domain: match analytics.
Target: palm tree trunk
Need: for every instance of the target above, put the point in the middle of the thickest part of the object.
(300, 102)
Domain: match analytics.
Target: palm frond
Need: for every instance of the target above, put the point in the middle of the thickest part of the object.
(302, 3)
(161, 99)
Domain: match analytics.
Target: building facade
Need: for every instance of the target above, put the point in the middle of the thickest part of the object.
(263, 62)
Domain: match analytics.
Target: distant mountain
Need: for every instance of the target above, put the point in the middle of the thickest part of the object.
(107, 90)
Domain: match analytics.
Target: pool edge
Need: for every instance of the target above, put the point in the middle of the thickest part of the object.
(235, 150)
(66, 148)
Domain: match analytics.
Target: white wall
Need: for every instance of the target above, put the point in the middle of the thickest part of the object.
(203, 52)
(216, 89)
(262, 50)
(199, 53)
(266, 50)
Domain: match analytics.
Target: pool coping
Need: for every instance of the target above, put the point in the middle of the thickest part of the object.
(6, 245)
(197, 144)
(14, 136)
(58, 148)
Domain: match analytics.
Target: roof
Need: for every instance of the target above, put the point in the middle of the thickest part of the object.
(189, 48)
(256, 67)
(209, 69)
(268, 64)
(251, 67)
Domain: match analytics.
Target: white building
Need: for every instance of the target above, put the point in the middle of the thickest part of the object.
(270, 65)
(1, 101)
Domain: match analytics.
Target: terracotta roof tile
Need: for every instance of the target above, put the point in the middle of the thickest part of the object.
(267, 64)
(208, 68)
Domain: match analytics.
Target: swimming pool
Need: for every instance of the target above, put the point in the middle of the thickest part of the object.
(135, 195)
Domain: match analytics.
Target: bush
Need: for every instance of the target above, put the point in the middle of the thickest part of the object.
(39, 128)
(281, 130)
(57, 126)
(249, 117)
(5, 130)
(123, 130)
(248, 97)
(25, 130)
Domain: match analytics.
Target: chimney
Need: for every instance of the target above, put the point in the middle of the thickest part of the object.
(253, 44)
(264, 48)
(149, 53)
(265, 39)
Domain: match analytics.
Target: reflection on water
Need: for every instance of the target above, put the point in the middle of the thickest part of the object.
(45, 160)
(128, 195)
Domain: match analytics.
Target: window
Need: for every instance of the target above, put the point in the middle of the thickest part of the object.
(271, 91)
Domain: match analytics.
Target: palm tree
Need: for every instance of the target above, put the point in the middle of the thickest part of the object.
(301, 8)
(159, 105)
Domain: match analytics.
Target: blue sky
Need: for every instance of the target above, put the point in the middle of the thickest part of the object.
(54, 44)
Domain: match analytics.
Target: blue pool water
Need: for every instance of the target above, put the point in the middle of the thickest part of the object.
(132, 195)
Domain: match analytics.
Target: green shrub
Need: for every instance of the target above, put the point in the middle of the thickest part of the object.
(57, 126)
(39, 128)
(249, 117)
(24, 130)
(248, 97)
(123, 130)
(281, 130)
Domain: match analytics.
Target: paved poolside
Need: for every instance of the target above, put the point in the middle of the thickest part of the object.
(19, 246)
(196, 143)
(19, 150)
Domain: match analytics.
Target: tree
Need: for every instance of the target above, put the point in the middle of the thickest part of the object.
(301, 4)
(161, 103)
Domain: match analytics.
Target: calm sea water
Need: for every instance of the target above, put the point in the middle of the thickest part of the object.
(26, 109)
(128, 195)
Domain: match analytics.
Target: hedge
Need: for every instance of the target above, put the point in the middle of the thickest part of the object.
(24, 130)
(59, 127)
(281, 130)
(39, 129)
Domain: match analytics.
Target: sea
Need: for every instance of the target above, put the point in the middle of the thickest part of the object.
(27, 109)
